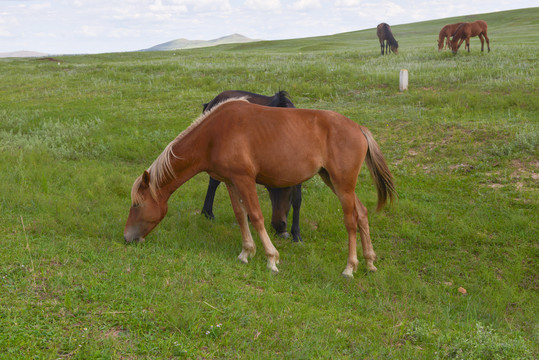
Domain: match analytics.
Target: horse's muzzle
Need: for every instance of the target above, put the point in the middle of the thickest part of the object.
(130, 237)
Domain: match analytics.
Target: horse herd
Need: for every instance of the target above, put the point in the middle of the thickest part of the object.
(244, 139)
(453, 34)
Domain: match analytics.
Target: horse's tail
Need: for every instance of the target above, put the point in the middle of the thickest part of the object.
(383, 180)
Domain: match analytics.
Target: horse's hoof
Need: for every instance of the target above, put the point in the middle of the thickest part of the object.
(348, 273)
(208, 215)
(297, 238)
(244, 257)
(371, 267)
(284, 235)
(273, 268)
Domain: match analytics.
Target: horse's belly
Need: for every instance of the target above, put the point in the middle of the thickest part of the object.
(287, 173)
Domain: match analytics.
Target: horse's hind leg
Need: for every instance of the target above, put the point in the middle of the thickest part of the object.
(363, 225)
(488, 42)
(207, 208)
(248, 245)
(347, 200)
(382, 47)
(482, 41)
(244, 189)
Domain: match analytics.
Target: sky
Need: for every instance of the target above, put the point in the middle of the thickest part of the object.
(100, 26)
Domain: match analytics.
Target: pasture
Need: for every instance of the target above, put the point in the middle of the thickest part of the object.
(457, 254)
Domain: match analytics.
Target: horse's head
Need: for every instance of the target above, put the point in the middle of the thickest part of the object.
(395, 47)
(440, 44)
(147, 210)
(281, 203)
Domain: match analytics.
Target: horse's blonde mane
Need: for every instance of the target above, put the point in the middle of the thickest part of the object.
(161, 169)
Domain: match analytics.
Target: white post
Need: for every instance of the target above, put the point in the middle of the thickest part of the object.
(403, 81)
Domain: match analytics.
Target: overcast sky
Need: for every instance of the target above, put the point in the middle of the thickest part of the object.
(97, 26)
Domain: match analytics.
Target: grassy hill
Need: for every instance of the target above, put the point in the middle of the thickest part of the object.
(462, 143)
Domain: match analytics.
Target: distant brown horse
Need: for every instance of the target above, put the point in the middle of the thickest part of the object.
(282, 198)
(384, 33)
(467, 30)
(445, 34)
(243, 144)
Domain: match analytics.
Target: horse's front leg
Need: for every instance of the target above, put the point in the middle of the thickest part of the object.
(248, 245)
(207, 208)
(247, 196)
(296, 205)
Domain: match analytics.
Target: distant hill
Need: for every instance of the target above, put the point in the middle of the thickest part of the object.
(22, 54)
(191, 44)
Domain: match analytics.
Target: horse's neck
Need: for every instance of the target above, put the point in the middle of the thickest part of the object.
(187, 161)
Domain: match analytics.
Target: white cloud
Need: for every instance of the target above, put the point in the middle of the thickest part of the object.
(91, 31)
(348, 3)
(301, 5)
(263, 5)
(5, 33)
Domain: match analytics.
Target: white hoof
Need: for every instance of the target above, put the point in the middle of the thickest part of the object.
(273, 267)
(244, 257)
(348, 272)
(371, 267)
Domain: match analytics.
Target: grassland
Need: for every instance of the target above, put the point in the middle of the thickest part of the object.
(462, 143)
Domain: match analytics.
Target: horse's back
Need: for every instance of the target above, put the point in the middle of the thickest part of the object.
(281, 146)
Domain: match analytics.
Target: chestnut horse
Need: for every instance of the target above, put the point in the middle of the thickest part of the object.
(445, 34)
(467, 30)
(281, 198)
(384, 33)
(243, 144)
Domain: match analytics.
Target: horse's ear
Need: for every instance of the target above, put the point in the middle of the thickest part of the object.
(145, 179)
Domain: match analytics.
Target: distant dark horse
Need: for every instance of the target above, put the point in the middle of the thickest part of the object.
(467, 30)
(384, 34)
(281, 198)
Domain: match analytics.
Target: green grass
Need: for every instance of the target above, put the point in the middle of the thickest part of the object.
(462, 143)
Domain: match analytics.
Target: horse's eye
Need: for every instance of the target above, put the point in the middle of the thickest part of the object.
(135, 206)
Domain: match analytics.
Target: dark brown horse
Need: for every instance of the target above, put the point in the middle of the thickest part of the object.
(384, 33)
(243, 144)
(467, 30)
(445, 34)
(281, 198)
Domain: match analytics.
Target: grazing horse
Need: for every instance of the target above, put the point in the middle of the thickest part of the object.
(281, 198)
(384, 33)
(445, 34)
(467, 30)
(243, 144)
